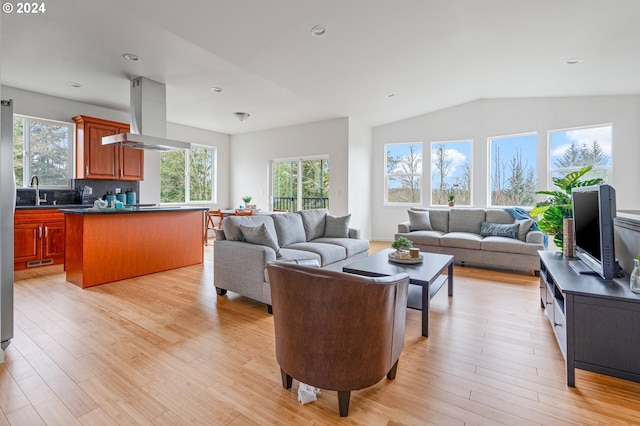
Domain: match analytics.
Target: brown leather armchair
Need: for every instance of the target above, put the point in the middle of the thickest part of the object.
(335, 330)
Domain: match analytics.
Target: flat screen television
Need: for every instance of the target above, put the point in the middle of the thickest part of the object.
(594, 208)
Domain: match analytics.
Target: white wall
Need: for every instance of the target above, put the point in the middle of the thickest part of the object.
(54, 108)
(360, 188)
(481, 119)
(252, 152)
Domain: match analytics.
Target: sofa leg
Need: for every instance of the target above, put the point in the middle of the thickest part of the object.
(287, 380)
(270, 309)
(536, 273)
(221, 291)
(343, 402)
(392, 373)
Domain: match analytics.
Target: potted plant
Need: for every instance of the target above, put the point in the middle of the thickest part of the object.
(246, 199)
(452, 195)
(555, 209)
(402, 244)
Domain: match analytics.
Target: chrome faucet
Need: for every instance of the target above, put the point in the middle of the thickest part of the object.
(35, 178)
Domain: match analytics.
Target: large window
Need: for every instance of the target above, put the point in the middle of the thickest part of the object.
(300, 184)
(403, 173)
(42, 148)
(571, 149)
(187, 176)
(451, 172)
(512, 168)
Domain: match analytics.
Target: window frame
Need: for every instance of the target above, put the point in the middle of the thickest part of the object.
(419, 175)
(299, 186)
(534, 167)
(458, 141)
(551, 171)
(26, 151)
(187, 177)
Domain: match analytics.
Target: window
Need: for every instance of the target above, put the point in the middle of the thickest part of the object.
(512, 168)
(451, 172)
(403, 173)
(294, 191)
(571, 149)
(42, 148)
(187, 176)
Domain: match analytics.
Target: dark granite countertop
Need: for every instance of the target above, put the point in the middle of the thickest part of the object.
(131, 210)
(69, 206)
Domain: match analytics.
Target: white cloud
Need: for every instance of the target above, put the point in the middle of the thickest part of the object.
(457, 160)
(587, 136)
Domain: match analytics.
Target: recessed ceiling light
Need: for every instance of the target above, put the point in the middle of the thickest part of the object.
(318, 31)
(216, 89)
(73, 84)
(573, 61)
(131, 57)
(391, 94)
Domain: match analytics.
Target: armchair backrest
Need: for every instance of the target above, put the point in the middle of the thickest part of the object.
(335, 330)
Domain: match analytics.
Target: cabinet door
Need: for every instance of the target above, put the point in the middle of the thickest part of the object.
(53, 243)
(131, 163)
(100, 161)
(26, 242)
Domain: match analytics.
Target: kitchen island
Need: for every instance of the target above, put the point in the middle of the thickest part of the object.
(103, 246)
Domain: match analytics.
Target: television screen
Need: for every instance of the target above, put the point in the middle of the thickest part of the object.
(594, 209)
(586, 222)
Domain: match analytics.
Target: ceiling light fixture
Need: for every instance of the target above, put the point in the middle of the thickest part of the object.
(573, 61)
(131, 57)
(318, 31)
(242, 115)
(216, 89)
(73, 84)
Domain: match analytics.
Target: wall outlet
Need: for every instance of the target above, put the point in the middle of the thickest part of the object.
(117, 190)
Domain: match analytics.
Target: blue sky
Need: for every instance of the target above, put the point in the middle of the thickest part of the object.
(561, 140)
(458, 152)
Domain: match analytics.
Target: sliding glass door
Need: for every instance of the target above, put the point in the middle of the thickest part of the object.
(300, 184)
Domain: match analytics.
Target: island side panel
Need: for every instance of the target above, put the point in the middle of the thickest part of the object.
(121, 246)
(73, 253)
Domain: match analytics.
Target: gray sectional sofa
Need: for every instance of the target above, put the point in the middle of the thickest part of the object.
(245, 245)
(480, 237)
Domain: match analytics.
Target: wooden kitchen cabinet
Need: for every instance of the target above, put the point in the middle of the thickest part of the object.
(108, 162)
(38, 238)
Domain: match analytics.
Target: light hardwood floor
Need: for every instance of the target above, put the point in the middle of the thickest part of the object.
(164, 349)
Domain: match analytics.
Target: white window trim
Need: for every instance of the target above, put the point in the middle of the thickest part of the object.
(299, 160)
(386, 176)
(470, 141)
(187, 178)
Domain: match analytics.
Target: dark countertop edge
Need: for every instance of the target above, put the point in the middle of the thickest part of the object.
(135, 210)
(67, 206)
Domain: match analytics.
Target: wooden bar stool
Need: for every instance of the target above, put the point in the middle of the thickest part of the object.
(211, 224)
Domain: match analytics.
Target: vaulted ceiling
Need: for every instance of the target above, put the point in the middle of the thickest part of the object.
(430, 54)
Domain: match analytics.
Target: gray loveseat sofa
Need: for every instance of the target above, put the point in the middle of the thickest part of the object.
(245, 245)
(480, 237)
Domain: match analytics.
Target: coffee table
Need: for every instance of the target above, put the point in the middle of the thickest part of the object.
(425, 279)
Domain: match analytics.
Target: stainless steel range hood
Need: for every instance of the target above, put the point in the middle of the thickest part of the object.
(148, 108)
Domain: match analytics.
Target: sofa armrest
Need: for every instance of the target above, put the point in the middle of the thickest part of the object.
(535, 237)
(403, 227)
(354, 233)
(239, 266)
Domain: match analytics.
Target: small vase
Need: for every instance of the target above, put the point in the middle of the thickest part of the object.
(452, 203)
(634, 282)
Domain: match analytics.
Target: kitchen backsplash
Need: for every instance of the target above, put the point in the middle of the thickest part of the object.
(27, 196)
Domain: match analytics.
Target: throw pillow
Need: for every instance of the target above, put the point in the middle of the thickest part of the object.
(510, 230)
(337, 227)
(419, 221)
(260, 235)
(313, 221)
(524, 228)
(289, 228)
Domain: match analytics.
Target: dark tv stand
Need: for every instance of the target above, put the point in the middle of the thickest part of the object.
(596, 322)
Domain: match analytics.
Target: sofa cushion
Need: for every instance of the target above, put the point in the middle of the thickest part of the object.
(465, 240)
(337, 227)
(260, 235)
(524, 226)
(352, 245)
(509, 230)
(509, 245)
(419, 221)
(439, 218)
(426, 238)
(289, 228)
(329, 253)
(313, 221)
(231, 225)
(466, 220)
